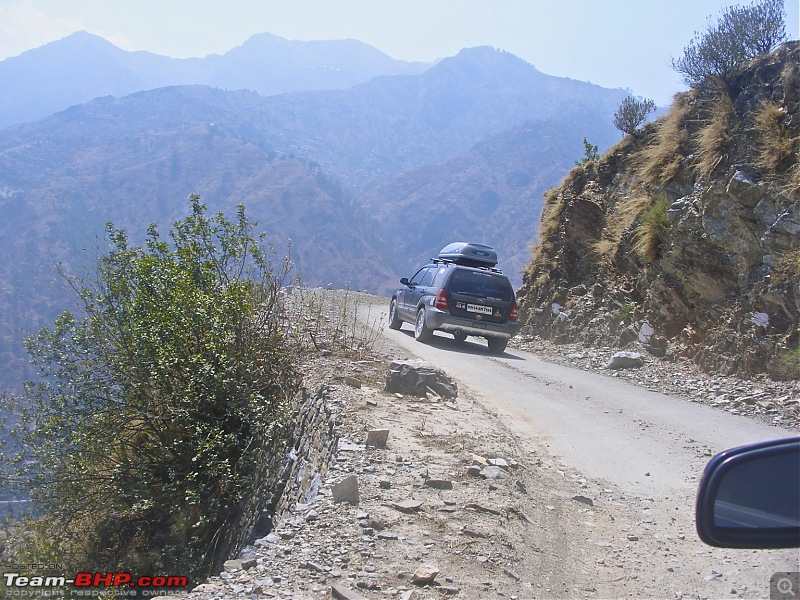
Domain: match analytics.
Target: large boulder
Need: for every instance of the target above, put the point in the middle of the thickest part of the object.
(416, 378)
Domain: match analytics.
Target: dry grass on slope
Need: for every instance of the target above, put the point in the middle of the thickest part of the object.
(618, 221)
(660, 161)
(548, 231)
(715, 135)
(775, 142)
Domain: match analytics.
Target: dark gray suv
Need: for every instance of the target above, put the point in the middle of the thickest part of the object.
(460, 292)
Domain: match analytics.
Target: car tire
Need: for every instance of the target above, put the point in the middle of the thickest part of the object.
(394, 322)
(460, 337)
(421, 331)
(497, 345)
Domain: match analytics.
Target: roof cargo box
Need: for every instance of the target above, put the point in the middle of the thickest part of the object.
(470, 255)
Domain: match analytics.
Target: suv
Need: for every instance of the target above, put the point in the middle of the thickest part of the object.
(460, 292)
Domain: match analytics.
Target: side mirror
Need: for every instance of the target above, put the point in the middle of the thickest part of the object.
(749, 497)
(405, 281)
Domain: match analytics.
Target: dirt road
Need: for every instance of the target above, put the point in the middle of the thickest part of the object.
(643, 441)
(637, 451)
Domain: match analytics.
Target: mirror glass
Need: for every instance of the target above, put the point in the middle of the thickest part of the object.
(762, 491)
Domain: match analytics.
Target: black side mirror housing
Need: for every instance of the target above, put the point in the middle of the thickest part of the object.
(405, 281)
(749, 497)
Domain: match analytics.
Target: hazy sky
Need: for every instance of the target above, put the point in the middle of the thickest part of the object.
(613, 43)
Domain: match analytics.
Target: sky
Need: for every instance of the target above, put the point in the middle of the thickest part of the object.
(613, 43)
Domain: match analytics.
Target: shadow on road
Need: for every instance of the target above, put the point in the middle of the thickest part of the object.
(467, 347)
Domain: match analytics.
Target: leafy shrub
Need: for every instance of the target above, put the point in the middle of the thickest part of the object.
(714, 58)
(631, 113)
(623, 312)
(787, 365)
(652, 230)
(590, 153)
(146, 435)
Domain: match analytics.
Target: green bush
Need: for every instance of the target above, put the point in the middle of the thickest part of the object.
(623, 312)
(786, 365)
(631, 113)
(590, 154)
(716, 56)
(652, 230)
(146, 435)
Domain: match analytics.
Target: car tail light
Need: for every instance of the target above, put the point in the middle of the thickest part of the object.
(514, 311)
(441, 301)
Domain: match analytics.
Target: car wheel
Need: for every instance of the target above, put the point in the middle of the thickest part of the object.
(394, 322)
(460, 336)
(497, 345)
(421, 331)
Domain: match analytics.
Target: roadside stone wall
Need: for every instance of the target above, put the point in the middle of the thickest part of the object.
(292, 473)
(313, 444)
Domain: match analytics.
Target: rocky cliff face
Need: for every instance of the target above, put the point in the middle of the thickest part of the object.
(686, 236)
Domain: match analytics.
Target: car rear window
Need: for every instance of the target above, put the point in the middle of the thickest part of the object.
(481, 283)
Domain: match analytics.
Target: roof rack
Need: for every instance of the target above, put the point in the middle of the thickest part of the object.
(463, 263)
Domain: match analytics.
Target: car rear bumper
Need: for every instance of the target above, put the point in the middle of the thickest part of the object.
(444, 321)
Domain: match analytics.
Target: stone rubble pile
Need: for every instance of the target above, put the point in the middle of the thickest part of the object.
(417, 378)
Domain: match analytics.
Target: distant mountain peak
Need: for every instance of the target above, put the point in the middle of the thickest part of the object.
(489, 65)
(490, 55)
(83, 36)
(79, 41)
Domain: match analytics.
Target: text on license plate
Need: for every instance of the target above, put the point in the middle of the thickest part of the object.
(477, 308)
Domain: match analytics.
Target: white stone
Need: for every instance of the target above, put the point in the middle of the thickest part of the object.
(646, 331)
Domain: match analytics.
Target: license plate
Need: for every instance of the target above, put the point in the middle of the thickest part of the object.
(477, 308)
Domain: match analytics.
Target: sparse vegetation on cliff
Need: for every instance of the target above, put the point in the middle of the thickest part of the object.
(692, 222)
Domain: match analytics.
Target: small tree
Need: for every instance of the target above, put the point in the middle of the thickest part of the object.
(589, 153)
(632, 113)
(147, 433)
(714, 57)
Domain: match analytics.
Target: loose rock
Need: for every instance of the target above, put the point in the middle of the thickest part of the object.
(626, 360)
(425, 575)
(346, 490)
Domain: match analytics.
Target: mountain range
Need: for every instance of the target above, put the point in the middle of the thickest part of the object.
(84, 66)
(366, 181)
